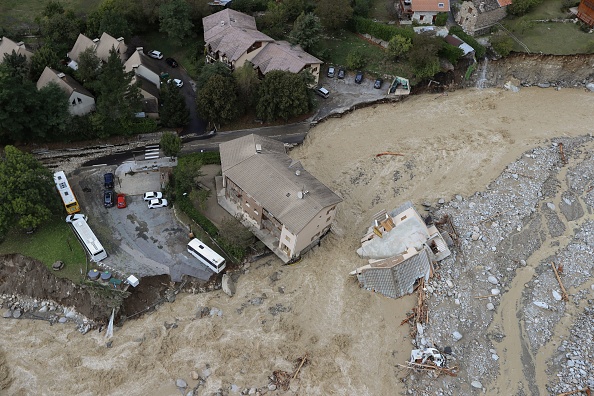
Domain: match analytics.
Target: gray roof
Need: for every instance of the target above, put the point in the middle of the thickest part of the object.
(81, 44)
(281, 55)
(274, 180)
(64, 81)
(231, 33)
(138, 58)
(7, 46)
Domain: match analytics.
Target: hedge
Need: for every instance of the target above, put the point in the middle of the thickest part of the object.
(479, 50)
(380, 30)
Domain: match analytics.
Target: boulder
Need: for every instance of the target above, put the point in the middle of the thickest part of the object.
(228, 285)
(58, 265)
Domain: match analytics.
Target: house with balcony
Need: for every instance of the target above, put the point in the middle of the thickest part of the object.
(7, 46)
(423, 11)
(401, 249)
(285, 206)
(80, 100)
(232, 37)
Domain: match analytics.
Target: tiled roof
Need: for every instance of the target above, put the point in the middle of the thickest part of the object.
(281, 55)
(64, 81)
(7, 46)
(504, 3)
(275, 181)
(430, 5)
(231, 33)
(81, 44)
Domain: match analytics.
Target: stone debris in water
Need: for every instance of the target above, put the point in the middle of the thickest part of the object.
(476, 384)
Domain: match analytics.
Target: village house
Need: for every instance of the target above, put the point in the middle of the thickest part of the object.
(423, 11)
(477, 17)
(101, 46)
(7, 46)
(150, 97)
(144, 66)
(80, 100)
(401, 249)
(586, 12)
(286, 207)
(232, 37)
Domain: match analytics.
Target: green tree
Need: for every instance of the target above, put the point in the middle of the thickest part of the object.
(275, 20)
(171, 144)
(306, 31)
(356, 59)
(441, 19)
(27, 189)
(209, 70)
(521, 7)
(18, 109)
(53, 112)
(217, 101)
(16, 66)
(398, 46)
(173, 112)
(60, 27)
(294, 8)
(451, 53)
(174, 19)
(361, 8)
(247, 84)
(89, 68)
(45, 56)
(502, 43)
(423, 56)
(282, 95)
(334, 13)
(110, 20)
(118, 100)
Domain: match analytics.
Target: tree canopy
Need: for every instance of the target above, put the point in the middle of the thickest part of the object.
(423, 56)
(282, 95)
(217, 101)
(247, 84)
(171, 144)
(60, 27)
(174, 19)
(27, 189)
(306, 31)
(398, 46)
(334, 13)
(44, 56)
(173, 113)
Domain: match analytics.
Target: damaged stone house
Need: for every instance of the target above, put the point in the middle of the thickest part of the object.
(400, 249)
(477, 17)
(283, 205)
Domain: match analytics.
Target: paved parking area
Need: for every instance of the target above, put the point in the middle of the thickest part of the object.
(138, 240)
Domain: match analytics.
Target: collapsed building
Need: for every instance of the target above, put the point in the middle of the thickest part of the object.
(401, 249)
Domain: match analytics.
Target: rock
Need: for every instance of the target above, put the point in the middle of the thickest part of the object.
(190, 393)
(457, 302)
(234, 388)
(194, 375)
(476, 384)
(7, 314)
(493, 280)
(274, 277)
(544, 85)
(420, 329)
(58, 265)
(457, 336)
(590, 86)
(495, 291)
(523, 263)
(511, 87)
(551, 205)
(541, 304)
(475, 236)
(180, 383)
(441, 201)
(252, 391)
(495, 357)
(271, 387)
(228, 285)
(556, 295)
(490, 306)
(449, 283)
(430, 289)
(43, 308)
(63, 320)
(570, 363)
(206, 373)
(459, 197)
(16, 313)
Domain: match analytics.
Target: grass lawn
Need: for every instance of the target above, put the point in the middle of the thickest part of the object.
(54, 241)
(549, 37)
(343, 42)
(183, 53)
(16, 14)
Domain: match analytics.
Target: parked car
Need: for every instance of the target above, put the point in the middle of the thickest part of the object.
(378, 83)
(341, 73)
(323, 92)
(108, 198)
(155, 54)
(171, 62)
(359, 77)
(121, 201)
(331, 72)
(178, 83)
(157, 203)
(148, 196)
(108, 181)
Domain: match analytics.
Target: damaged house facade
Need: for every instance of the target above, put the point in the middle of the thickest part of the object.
(283, 205)
(401, 249)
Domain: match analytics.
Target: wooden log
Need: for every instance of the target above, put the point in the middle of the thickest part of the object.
(303, 360)
(490, 295)
(562, 153)
(563, 291)
(587, 390)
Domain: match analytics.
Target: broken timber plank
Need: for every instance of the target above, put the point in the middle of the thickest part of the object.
(563, 291)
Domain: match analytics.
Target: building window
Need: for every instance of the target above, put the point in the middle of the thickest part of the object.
(421, 17)
(74, 103)
(79, 100)
(440, 5)
(315, 69)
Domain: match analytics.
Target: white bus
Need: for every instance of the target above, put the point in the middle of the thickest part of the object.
(206, 255)
(87, 237)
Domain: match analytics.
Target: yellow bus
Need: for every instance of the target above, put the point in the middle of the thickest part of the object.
(68, 198)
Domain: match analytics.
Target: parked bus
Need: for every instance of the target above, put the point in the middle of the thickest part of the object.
(206, 255)
(87, 237)
(68, 198)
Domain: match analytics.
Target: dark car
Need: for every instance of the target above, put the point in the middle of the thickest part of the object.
(108, 178)
(341, 73)
(108, 198)
(171, 62)
(359, 77)
(378, 83)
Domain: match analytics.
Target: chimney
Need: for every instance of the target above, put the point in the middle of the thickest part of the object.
(222, 23)
(120, 39)
(61, 75)
(96, 40)
(139, 49)
(21, 44)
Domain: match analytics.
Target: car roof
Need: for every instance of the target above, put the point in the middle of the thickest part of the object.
(323, 90)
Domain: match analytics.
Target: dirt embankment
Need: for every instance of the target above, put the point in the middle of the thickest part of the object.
(533, 69)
